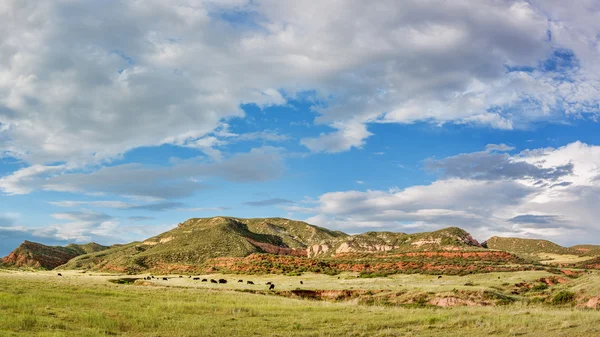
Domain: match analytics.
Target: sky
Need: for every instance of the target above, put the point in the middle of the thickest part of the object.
(121, 119)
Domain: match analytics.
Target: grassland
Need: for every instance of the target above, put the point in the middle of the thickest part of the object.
(78, 304)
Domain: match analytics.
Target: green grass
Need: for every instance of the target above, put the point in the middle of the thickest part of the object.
(41, 304)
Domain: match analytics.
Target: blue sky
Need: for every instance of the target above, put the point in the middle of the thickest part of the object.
(118, 123)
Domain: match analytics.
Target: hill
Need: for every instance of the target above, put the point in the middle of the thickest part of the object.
(193, 242)
(526, 246)
(592, 250)
(37, 255)
(451, 238)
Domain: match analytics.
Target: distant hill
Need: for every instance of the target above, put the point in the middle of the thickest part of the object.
(37, 255)
(196, 240)
(526, 246)
(592, 250)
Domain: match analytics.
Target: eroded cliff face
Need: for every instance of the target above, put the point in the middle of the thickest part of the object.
(349, 247)
(316, 250)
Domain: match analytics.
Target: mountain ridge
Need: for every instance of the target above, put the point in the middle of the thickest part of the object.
(198, 240)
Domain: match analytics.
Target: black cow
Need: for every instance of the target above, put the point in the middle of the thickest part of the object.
(240, 281)
(249, 282)
(301, 282)
(204, 280)
(59, 274)
(222, 280)
(213, 281)
(268, 283)
(439, 277)
(196, 278)
(180, 276)
(165, 279)
(271, 287)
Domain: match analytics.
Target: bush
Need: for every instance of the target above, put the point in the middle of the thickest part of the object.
(563, 297)
(540, 287)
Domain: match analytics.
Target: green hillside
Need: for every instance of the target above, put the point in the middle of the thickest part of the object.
(592, 250)
(526, 246)
(196, 240)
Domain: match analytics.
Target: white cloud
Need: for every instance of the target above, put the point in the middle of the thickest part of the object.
(498, 147)
(140, 74)
(348, 136)
(510, 205)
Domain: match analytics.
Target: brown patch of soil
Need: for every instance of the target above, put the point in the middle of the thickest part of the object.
(452, 302)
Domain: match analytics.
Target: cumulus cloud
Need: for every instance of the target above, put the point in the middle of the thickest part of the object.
(510, 203)
(494, 166)
(75, 92)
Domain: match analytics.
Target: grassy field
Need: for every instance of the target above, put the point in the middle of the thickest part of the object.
(43, 304)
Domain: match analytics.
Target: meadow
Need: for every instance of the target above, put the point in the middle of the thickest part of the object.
(76, 304)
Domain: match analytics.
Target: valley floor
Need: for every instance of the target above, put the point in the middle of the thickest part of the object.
(78, 304)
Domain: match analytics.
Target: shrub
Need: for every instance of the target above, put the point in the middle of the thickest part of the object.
(563, 297)
(540, 287)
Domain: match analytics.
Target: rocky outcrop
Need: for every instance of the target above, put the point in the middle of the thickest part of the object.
(316, 250)
(348, 247)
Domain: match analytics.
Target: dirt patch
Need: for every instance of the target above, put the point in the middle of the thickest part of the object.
(452, 302)
(593, 303)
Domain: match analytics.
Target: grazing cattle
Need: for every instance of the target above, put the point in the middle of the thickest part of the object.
(165, 279)
(204, 280)
(180, 276)
(301, 282)
(268, 283)
(196, 278)
(271, 287)
(249, 282)
(222, 280)
(59, 274)
(240, 281)
(190, 276)
(213, 281)
(152, 276)
(439, 276)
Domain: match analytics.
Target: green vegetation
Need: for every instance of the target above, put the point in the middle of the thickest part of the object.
(188, 246)
(526, 246)
(563, 297)
(83, 305)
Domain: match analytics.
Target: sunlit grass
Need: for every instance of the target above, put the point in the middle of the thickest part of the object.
(34, 304)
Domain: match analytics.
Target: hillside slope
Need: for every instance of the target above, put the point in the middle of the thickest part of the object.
(526, 246)
(592, 250)
(37, 255)
(196, 240)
